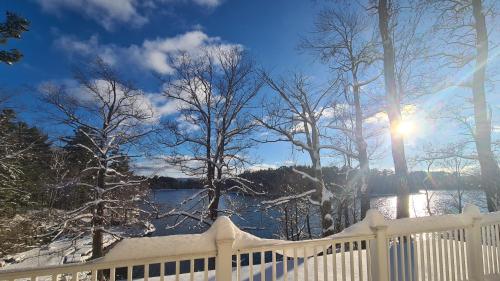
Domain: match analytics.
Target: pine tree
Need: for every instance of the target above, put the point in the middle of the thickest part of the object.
(13, 27)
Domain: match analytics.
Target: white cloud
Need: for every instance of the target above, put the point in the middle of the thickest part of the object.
(110, 13)
(262, 166)
(159, 167)
(107, 13)
(150, 55)
(149, 103)
(203, 3)
(208, 3)
(381, 117)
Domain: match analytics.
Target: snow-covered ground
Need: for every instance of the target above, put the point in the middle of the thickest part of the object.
(67, 250)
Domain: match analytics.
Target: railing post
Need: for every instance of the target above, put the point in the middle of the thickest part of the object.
(224, 239)
(473, 244)
(379, 251)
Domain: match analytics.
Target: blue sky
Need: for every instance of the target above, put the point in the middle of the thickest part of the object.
(133, 31)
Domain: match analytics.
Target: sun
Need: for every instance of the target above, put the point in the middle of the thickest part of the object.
(406, 128)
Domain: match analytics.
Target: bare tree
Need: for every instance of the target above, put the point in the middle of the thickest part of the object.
(112, 115)
(466, 44)
(342, 38)
(294, 212)
(298, 115)
(213, 94)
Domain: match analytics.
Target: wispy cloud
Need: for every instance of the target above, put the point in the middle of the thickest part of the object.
(110, 13)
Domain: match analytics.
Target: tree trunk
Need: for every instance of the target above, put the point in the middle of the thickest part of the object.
(308, 222)
(326, 202)
(394, 112)
(490, 173)
(364, 167)
(217, 185)
(98, 217)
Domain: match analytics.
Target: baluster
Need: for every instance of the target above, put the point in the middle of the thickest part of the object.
(146, 272)
(360, 260)
(191, 270)
(205, 267)
(325, 264)
(494, 238)
(177, 270)
(428, 263)
(395, 258)
(483, 249)
(162, 271)
(238, 266)
(273, 254)
(409, 257)
(306, 265)
(497, 245)
(460, 256)
(129, 272)
(402, 256)
(262, 266)
(285, 265)
(295, 265)
(435, 255)
(442, 255)
(463, 256)
(342, 261)
(490, 249)
(453, 260)
(486, 248)
(315, 259)
(351, 260)
(250, 265)
(417, 247)
(368, 252)
(446, 266)
(334, 261)
(112, 274)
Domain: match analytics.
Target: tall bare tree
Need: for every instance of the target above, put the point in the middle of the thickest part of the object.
(342, 38)
(112, 115)
(298, 115)
(466, 45)
(213, 93)
(386, 11)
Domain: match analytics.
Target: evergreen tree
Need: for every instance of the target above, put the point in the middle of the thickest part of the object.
(13, 27)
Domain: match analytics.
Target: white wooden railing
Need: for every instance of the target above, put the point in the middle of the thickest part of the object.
(449, 247)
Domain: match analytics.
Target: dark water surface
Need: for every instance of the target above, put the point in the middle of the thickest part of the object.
(263, 222)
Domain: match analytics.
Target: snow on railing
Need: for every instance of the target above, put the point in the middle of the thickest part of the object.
(449, 247)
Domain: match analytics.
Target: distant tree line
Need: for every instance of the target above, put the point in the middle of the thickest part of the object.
(382, 182)
(161, 182)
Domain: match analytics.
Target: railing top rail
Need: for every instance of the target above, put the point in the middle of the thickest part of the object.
(96, 264)
(283, 244)
(490, 218)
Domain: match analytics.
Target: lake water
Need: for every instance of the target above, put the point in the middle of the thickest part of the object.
(263, 223)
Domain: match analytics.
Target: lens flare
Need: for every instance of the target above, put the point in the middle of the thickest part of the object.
(406, 128)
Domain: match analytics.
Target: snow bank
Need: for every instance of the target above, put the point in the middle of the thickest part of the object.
(155, 247)
(375, 219)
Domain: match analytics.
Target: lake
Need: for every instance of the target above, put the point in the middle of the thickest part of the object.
(263, 223)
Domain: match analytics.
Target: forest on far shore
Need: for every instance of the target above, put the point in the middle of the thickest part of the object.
(382, 182)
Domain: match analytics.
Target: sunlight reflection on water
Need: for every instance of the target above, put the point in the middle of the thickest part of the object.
(440, 202)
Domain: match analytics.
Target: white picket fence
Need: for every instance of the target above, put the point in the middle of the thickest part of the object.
(449, 247)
